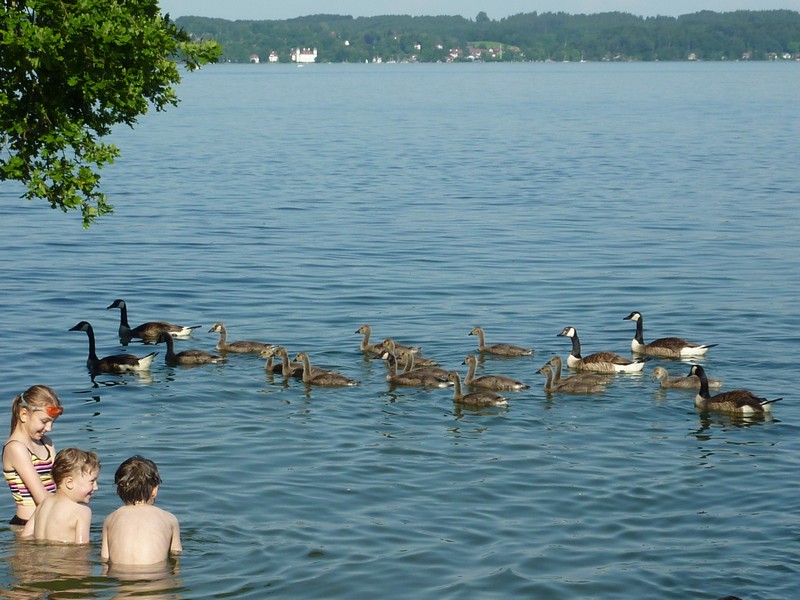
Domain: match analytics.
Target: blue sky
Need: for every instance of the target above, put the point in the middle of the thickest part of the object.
(496, 9)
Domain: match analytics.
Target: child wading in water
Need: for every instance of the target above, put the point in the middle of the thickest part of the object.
(28, 453)
(64, 516)
(139, 533)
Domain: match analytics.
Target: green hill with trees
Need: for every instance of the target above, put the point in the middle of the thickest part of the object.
(614, 36)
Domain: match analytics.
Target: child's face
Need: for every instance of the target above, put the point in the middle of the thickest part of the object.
(39, 423)
(84, 485)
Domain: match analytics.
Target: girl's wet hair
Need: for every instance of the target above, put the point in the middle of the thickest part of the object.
(71, 461)
(136, 478)
(36, 395)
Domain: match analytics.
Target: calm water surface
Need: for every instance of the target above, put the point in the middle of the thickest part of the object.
(295, 204)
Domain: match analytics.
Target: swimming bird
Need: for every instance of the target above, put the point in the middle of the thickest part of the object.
(286, 367)
(375, 350)
(433, 369)
(324, 377)
(588, 378)
(692, 382)
(742, 402)
(149, 331)
(479, 399)
(601, 362)
(411, 378)
(186, 357)
(569, 385)
(498, 349)
(117, 363)
(489, 382)
(671, 347)
(404, 352)
(241, 346)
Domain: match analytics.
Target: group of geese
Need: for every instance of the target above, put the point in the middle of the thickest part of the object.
(592, 373)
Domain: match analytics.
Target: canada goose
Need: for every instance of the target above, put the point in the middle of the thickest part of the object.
(323, 377)
(742, 402)
(569, 385)
(411, 365)
(149, 331)
(489, 382)
(117, 363)
(375, 350)
(240, 346)
(285, 367)
(672, 347)
(187, 357)
(411, 378)
(692, 382)
(480, 399)
(583, 377)
(403, 352)
(498, 349)
(600, 362)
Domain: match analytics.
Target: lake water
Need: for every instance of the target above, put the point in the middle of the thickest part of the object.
(295, 204)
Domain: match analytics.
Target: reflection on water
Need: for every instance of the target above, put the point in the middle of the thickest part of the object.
(153, 582)
(725, 421)
(40, 570)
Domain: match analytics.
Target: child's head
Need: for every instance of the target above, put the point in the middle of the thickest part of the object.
(73, 462)
(136, 478)
(36, 397)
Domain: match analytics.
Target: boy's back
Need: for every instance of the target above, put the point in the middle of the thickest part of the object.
(140, 534)
(60, 519)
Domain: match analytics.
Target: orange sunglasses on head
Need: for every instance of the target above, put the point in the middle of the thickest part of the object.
(53, 411)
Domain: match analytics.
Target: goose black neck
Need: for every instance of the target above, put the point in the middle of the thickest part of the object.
(123, 315)
(576, 346)
(639, 337)
(92, 346)
(703, 385)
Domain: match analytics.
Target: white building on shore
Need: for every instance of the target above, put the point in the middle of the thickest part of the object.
(304, 55)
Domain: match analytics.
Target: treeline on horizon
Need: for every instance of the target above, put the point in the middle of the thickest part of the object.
(705, 35)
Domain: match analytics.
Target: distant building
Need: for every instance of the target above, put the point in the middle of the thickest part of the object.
(273, 57)
(255, 59)
(304, 55)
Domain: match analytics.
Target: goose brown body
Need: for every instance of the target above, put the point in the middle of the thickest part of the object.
(116, 363)
(366, 347)
(411, 365)
(285, 367)
(322, 377)
(690, 382)
(189, 357)
(149, 331)
(599, 362)
(586, 377)
(668, 347)
(568, 385)
(479, 399)
(239, 346)
(415, 377)
(500, 349)
(489, 381)
(742, 402)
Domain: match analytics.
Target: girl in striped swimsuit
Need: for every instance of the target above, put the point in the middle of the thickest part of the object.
(29, 452)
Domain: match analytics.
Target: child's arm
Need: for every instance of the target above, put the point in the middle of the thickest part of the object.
(83, 525)
(175, 545)
(27, 531)
(104, 544)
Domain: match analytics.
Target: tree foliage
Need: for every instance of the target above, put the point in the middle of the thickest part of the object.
(69, 71)
(559, 36)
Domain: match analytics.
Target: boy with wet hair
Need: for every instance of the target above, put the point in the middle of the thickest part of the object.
(65, 515)
(139, 533)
